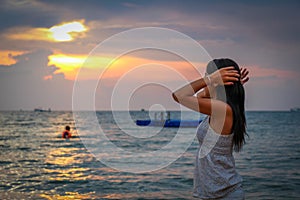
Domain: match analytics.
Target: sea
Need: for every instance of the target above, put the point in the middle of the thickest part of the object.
(36, 163)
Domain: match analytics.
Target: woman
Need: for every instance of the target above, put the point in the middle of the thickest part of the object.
(221, 98)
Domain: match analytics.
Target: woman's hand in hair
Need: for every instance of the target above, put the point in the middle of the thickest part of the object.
(244, 75)
(225, 76)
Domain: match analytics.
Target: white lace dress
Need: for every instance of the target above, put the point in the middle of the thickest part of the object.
(215, 175)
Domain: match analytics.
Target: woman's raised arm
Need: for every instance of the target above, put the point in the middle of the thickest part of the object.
(185, 95)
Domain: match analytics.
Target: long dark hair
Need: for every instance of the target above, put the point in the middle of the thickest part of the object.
(235, 97)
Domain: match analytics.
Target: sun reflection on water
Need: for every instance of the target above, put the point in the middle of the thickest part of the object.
(65, 156)
(69, 195)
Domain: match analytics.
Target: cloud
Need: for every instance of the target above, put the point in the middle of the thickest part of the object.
(34, 13)
(63, 32)
(8, 57)
(131, 5)
(22, 85)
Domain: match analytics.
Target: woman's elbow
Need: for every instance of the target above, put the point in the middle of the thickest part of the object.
(175, 97)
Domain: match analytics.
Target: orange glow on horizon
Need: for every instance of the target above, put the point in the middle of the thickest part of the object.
(257, 71)
(66, 64)
(127, 63)
(69, 64)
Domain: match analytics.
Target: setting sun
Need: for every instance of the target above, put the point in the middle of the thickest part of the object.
(64, 32)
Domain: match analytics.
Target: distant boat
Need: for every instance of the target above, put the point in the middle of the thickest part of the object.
(295, 109)
(42, 110)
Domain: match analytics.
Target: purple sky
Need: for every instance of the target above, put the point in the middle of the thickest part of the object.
(260, 35)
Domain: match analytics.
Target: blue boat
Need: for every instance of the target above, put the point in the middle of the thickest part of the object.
(169, 123)
(162, 119)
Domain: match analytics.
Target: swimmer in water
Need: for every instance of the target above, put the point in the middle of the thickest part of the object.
(67, 134)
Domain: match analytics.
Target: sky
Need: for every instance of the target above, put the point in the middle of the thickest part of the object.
(45, 44)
